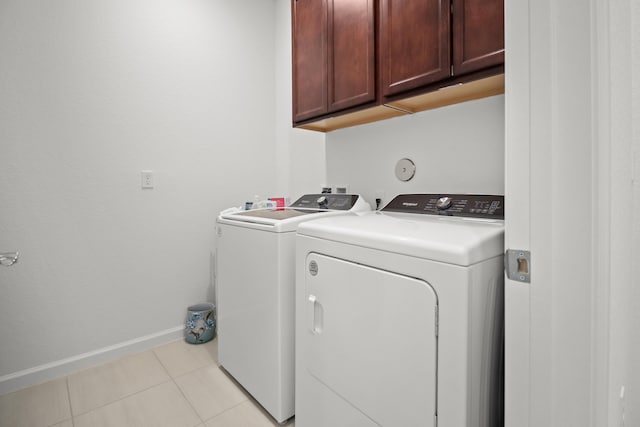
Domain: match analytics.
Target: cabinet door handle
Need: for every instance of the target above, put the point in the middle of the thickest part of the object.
(9, 258)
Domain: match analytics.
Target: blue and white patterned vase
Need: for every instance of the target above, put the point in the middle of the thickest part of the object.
(200, 326)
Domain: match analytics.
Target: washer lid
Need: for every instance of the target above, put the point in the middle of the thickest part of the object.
(279, 220)
(305, 208)
(454, 240)
(276, 214)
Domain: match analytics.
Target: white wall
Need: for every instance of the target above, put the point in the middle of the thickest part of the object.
(552, 181)
(199, 92)
(634, 401)
(91, 93)
(624, 351)
(456, 149)
(571, 341)
(300, 153)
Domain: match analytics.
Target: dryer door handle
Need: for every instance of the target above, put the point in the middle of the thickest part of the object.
(315, 314)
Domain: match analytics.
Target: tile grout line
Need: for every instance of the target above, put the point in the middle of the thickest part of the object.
(202, 422)
(66, 381)
(170, 378)
(227, 410)
(178, 387)
(183, 373)
(126, 396)
(164, 368)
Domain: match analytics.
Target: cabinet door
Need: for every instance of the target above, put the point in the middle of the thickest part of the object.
(309, 51)
(478, 34)
(414, 43)
(351, 53)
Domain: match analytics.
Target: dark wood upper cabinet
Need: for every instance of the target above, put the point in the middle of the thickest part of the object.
(414, 44)
(478, 35)
(333, 55)
(357, 61)
(352, 58)
(309, 50)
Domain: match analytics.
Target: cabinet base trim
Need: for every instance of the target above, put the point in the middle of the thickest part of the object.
(454, 94)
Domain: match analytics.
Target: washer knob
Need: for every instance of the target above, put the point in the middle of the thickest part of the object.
(443, 203)
(322, 201)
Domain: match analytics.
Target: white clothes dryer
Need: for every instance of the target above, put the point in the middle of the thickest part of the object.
(399, 315)
(255, 281)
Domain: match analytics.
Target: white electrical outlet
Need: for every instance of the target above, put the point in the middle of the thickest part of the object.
(341, 189)
(147, 179)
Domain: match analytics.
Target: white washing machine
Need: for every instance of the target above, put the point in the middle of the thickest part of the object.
(399, 315)
(255, 294)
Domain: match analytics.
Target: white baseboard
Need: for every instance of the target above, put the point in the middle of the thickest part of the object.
(59, 368)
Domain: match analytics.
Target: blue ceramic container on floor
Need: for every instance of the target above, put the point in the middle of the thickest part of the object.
(200, 326)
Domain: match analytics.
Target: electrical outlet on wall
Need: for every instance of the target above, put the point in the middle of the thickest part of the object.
(147, 179)
(342, 189)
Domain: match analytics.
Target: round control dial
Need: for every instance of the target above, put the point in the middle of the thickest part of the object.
(322, 201)
(443, 203)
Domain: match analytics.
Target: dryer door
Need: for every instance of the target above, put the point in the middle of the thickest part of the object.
(372, 340)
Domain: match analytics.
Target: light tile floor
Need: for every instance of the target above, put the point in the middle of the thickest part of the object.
(175, 385)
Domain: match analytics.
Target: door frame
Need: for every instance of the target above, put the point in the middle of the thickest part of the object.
(568, 133)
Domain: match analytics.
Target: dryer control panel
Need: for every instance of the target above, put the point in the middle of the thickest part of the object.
(466, 205)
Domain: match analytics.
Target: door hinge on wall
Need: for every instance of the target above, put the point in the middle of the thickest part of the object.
(517, 264)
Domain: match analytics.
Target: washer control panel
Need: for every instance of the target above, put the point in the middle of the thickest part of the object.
(469, 205)
(342, 202)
